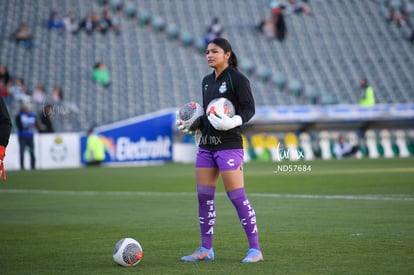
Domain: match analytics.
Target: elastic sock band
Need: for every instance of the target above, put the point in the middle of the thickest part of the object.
(236, 193)
(206, 190)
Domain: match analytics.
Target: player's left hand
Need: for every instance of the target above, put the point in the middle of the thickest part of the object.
(222, 122)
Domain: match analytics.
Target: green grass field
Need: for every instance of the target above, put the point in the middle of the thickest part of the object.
(342, 217)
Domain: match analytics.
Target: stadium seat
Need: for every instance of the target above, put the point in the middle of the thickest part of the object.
(258, 144)
(353, 140)
(144, 17)
(102, 2)
(306, 145)
(295, 88)
(410, 141)
(279, 80)
(325, 145)
(401, 142)
(273, 146)
(131, 11)
(371, 143)
(292, 146)
(396, 4)
(199, 44)
(158, 24)
(386, 143)
(172, 32)
(186, 38)
(313, 95)
(264, 74)
(386, 140)
(247, 66)
(116, 5)
(329, 99)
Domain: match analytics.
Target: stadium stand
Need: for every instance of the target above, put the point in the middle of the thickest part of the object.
(153, 65)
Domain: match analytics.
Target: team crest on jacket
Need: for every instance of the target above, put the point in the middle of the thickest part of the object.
(223, 87)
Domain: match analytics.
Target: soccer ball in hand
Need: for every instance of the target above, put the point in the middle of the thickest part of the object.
(189, 115)
(127, 252)
(221, 106)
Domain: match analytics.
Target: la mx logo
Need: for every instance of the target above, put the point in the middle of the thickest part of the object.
(289, 154)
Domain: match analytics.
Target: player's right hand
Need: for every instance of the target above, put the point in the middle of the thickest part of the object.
(182, 126)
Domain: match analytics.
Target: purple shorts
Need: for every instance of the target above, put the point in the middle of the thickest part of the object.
(230, 159)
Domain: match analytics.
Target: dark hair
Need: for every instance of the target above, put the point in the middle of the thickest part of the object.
(364, 81)
(97, 64)
(226, 46)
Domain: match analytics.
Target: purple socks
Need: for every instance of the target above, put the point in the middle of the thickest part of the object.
(207, 215)
(247, 216)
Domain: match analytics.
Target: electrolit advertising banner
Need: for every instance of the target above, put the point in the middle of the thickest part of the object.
(145, 139)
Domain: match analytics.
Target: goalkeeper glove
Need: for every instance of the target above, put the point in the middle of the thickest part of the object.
(2, 154)
(181, 126)
(222, 122)
(185, 126)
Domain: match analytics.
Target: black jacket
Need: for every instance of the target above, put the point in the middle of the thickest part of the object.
(5, 124)
(234, 86)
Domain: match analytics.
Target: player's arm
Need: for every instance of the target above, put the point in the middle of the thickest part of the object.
(246, 108)
(5, 130)
(5, 124)
(244, 112)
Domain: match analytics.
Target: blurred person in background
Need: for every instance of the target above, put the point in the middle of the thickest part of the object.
(70, 23)
(94, 154)
(101, 74)
(367, 96)
(5, 93)
(4, 75)
(57, 94)
(18, 91)
(108, 23)
(278, 19)
(55, 22)
(24, 35)
(4, 84)
(26, 126)
(342, 148)
(90, 23)
(38, 94)
(44, 121)
(214, 30)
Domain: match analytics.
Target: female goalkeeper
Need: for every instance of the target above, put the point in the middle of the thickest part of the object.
(220, 150)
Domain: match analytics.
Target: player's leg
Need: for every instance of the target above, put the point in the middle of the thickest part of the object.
(30, 144)
(22, 147)
(233, 179)
(206, 187)
(206, 176)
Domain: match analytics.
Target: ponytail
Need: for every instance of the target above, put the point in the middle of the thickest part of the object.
(233, 62)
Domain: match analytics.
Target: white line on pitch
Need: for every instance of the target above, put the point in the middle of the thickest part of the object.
(270, 195)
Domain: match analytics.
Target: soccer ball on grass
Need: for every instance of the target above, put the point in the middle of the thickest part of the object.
(127, 252)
